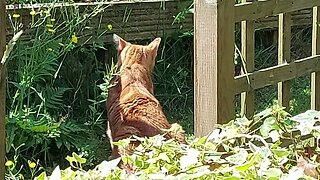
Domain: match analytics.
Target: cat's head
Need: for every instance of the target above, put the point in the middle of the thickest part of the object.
(129, 54)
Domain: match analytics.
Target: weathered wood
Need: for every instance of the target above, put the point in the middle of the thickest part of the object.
(247, 51)
(300, 18)
(315, 77)
(213, 63)
(132, 20)
(273, 75)
(2, 89)
(284, 46)
(130, 17)
(260, 9)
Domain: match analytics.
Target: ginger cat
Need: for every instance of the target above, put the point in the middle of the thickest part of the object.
(132, 108)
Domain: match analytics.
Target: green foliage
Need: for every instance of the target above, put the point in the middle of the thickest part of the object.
(236, 150)
(40, 117)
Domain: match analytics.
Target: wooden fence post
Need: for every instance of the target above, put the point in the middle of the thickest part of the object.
(2, 88)
(284, 46)
(247, 51)
(214, 64)
(315, 77)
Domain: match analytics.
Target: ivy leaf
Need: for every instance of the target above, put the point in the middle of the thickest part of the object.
(56, 174)
(107, 166)
(264, 114)
(248, 164)
(267, 126)
(280, 153)
(164, 156)
(189, 159)
(273, 173)
(275, 136)
(306, 121)
(238, 158)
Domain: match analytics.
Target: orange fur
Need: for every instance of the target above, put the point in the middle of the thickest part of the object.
(131, 106)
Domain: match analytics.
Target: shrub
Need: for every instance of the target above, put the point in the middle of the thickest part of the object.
(271, 146)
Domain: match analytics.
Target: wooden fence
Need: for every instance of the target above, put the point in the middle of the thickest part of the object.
(132, 20)
(2, 88)
(214, 81)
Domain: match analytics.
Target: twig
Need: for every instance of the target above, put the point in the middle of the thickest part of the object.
(10, 46)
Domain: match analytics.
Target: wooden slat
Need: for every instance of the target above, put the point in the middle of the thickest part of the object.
(260, 9)
(273, 75)
(284, 45)
(213, 63)
(145, 18)
(66, 4)
(315, 77)
(2, 89)
(247, 51)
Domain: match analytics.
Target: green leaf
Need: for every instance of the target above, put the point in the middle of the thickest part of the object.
(306, 121)
(238, 158)
(280, 153)
(274, 173)
(42, 176)
(267, 126)
(70, 160)
(56, 174)
(107, 166)
(164, 156)
(248, 164)
(231, 178)
(78, 158)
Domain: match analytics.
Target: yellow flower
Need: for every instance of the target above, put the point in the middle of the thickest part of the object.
(47, 12)
(51, 30)
(9, 163)
(50, 49)
(32, 165)
(49, 25)
(21, 176)
(74, 39)
(109, 26)
(32, 13)
(16, 15)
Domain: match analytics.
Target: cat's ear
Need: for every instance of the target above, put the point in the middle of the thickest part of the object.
(119, 42)
(154, 45)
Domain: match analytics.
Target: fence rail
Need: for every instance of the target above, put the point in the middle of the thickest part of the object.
(261, 9)
(214, 89)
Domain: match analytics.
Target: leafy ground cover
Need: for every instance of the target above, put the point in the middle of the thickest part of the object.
(273, 145)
